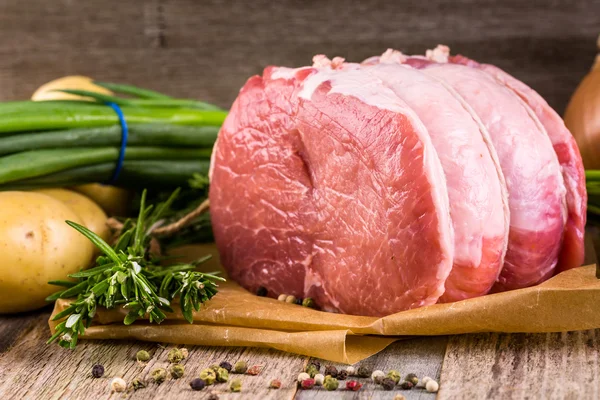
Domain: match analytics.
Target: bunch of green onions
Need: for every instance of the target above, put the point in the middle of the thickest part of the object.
(592, 178)
(68, 142)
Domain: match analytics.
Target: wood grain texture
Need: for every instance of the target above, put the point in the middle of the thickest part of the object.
(207, 49)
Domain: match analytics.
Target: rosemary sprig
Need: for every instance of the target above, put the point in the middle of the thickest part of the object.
(128, 275)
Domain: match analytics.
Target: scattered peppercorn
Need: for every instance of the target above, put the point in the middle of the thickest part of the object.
(175, 356)
(159, 375)
(412, 378)
(432, 386)
(342, 375)
(302, 376)
(290, 299)
(319, 379)
(184, 352)
(353, 385)
(316, 363)
(197, 384)
(240, 367)
(254, 370)
(377, 376)
(235, 385)
(118, 385)
(351, 370)
(399, 397)
(312, 370)
(308, 302)
(330, 383)
(262, 291)
(208, 376)
(425, 380)
(213, 396)
(406, 385)
(298, 302)
(214, 367)
(307, 384)
(226, 365)
(395, 375)
(275, 384)
(282, 297)
(142, 356)
(331, 370)
(388, 384)
(138, 384)
(364, 371)
(97, 371)
(222, 375)
(177, 371)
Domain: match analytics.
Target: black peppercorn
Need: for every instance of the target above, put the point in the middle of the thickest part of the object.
(406, 385)
(388, 384)
(364, 371)
(213, 396)
(197, 384)
(299, 302)
(317, 364)
(262, 291)
(226, 365)
(342, 375)
(331, 370)
(412, 378)
(97, 371)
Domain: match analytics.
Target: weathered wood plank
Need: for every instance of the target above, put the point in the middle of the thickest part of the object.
(421, 356)
(13, 326)
(521, 366)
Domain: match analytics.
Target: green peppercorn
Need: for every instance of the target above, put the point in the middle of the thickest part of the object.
(311, 370)
(394, 375)
(364, 371)
(240, 367)
(388, 384)
(412, 378)
(214, 367)
(177, 371)
(316, 363)
(159, 375)
(330, 383)
(290, 299)
(222, 375)
(208, 376)
(308, 302)
(175, 356)
(235, 385)
(142, 356)
(138, 384)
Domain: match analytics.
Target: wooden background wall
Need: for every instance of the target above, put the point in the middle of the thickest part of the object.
(207, 48)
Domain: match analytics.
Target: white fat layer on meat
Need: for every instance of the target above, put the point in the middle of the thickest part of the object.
(352, 81)
(284, 73)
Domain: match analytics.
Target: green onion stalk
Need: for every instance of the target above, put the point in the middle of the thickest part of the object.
(592, 178)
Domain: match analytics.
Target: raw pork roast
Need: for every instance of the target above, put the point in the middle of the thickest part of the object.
(395, 183)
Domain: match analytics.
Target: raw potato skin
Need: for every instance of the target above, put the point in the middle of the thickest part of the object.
(36, 246)
(93, 217)
(113, 200)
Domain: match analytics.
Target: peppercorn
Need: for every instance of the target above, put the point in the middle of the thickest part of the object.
(254, 370)
(159, 375)
(275, 384)
(235, 385)
(142, 356)
(208, 376)
(308, 302)
(395, 375)
(312, 370)
(282, 297)
(331, 370)
(342, 375)
(316, 364)
(175, 356)
(97, 371)
(388, 384)
(307, 384)
(213, 396)
(377, 376)
(298, 302)
(214, 367)
(184, 352)
(226, 365)
(406, 385)
(330, 383)
(319, 379)
(425, 380)
(290, 299)
(138, 383)
(118, 385)
(364, 371)
(432, 386)
(351, 370)
(222, 375)
(302, 376)
(240, 367)
(197, 384)
(177, 371)
(412, 378)
(262, 291)
(399, 397)
(353, 385)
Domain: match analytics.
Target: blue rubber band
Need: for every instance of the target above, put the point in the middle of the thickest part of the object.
(124, 137)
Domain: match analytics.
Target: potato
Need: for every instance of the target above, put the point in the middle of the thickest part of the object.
(93, 217)
(113, 200)
(36, 246)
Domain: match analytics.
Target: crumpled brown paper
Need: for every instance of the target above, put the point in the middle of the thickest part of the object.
(235, 317)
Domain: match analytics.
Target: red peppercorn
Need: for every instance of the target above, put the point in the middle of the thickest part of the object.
(307, 384)
(275, 384)
(353, 385)
(254, 370)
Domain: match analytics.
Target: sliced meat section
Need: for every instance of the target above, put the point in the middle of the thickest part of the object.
(325, 184)
(476, 187)
(572, 252)
(531, 169)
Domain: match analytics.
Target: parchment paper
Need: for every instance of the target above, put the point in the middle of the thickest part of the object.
(235, 317)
